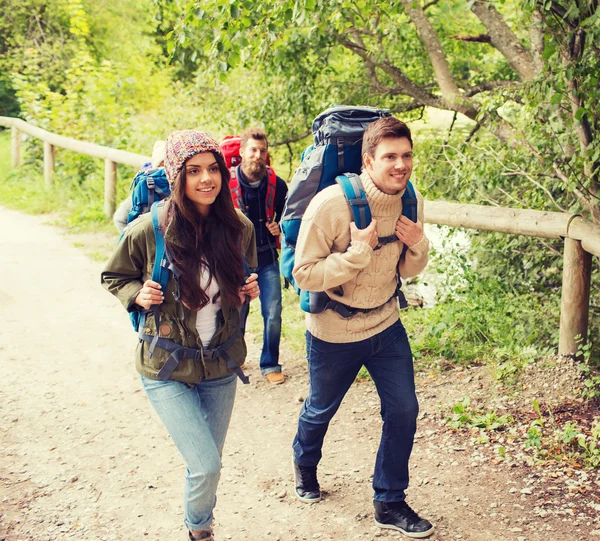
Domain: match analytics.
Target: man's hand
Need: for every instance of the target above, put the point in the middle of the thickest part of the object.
(273, 228)
(251, 288)
(408, 231)
(367, 235)
(149, 294)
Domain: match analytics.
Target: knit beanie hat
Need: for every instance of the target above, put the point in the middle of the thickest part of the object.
(180, 146)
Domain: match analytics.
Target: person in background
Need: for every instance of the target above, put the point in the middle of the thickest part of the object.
(253, 181)
(120, 217)
(209, 243)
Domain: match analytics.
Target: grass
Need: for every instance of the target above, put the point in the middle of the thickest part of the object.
(77, 199)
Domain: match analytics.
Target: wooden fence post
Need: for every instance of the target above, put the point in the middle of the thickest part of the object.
(48, 163)
(110, 187)
(15, 147)
(574, 310)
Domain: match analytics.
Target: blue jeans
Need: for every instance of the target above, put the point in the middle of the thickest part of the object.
(332, 369)
(197, 419)
(269, 282)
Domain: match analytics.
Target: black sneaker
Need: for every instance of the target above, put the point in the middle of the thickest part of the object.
(399, 516)
(305, 480)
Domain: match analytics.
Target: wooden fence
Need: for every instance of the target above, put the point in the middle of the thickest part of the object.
(111, 156)
(582, 237)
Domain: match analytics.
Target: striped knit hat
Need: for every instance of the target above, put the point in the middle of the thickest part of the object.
(180, 146)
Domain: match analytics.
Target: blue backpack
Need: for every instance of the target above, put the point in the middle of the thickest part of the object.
(148, 185)
(335, 157)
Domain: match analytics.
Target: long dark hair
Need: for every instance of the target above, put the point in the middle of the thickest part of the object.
(214, 240)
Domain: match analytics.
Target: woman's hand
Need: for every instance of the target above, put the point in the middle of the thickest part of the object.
(149, 294)
(251, 288)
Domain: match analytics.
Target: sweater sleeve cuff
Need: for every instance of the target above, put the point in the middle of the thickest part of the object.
(360, 247)
(421, 247)
(359, 254)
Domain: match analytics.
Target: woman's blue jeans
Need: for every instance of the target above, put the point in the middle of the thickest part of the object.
(332, 369)
(197, 418)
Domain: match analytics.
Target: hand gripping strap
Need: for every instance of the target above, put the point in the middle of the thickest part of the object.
(355, 194)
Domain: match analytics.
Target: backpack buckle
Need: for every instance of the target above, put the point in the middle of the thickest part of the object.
(345, 311)
(402, 302)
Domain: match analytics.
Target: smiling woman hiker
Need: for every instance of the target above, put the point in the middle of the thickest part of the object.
(190, 345)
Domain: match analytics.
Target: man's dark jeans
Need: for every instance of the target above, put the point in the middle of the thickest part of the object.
(269, 282)
(332, 369)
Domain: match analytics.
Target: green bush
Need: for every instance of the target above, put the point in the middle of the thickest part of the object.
(485, 320)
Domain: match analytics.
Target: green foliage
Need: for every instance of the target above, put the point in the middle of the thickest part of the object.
(77, 202)
(9, 106)
(547, 440)
(591, 446)
(589, 372)
(591, 382)
(463, 416)
(485, 319)
(533, 438)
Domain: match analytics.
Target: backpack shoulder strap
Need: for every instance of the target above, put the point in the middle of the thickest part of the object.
(160, 274)
(160, 271)
(409, 202)
(355, 194)
(270, 199)
(236, 190)
(409, 206)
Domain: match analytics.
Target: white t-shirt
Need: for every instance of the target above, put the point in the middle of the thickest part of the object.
(206, 318)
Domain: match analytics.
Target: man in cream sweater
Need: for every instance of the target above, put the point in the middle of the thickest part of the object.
(353, 267)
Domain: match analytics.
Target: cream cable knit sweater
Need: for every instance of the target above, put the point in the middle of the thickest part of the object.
(353, 273)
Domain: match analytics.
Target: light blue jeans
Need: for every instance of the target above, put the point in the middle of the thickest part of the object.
(197, 419)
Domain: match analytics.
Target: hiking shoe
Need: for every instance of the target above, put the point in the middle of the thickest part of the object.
(204, 535)
(306, 485)
(275, 378)
(399, 516)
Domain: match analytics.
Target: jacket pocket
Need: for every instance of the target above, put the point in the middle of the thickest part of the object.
(171, 329)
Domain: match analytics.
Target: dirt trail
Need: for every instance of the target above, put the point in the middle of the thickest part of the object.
(84, 457)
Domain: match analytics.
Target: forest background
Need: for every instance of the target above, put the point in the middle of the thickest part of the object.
(503, 97)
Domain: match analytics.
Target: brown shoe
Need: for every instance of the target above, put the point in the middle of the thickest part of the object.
(204, 535)
(276, 378)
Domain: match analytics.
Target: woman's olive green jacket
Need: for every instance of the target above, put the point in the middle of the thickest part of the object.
(124, 274)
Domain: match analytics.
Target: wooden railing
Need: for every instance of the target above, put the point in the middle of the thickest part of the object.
(111, 156)
(582, 237)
